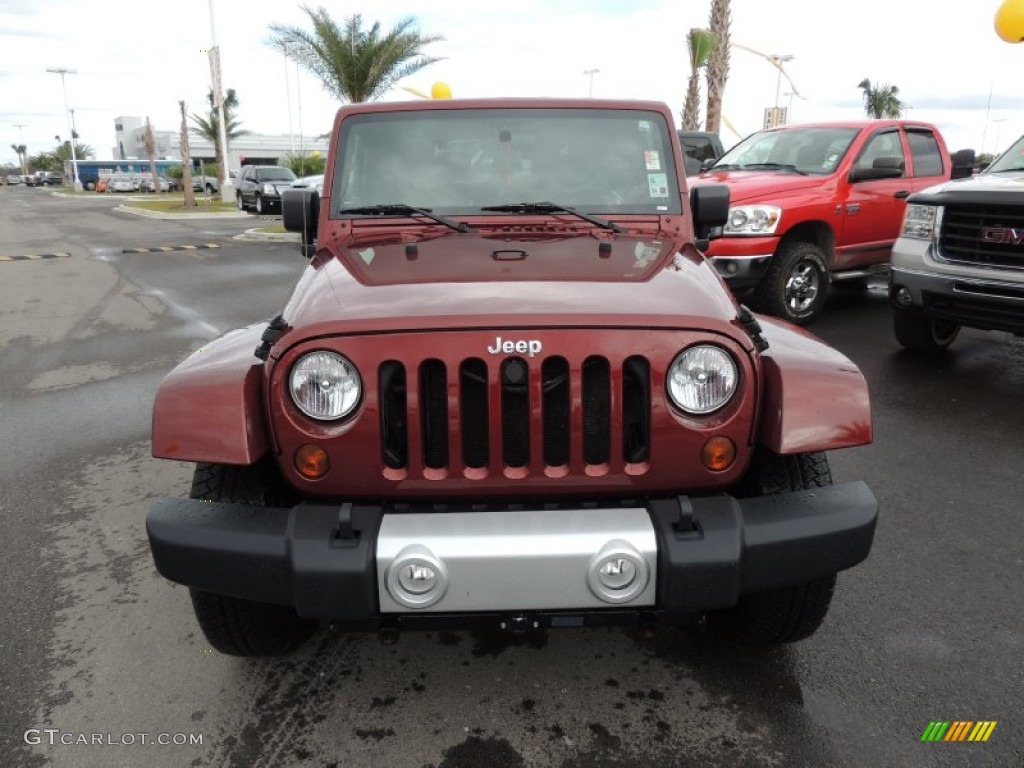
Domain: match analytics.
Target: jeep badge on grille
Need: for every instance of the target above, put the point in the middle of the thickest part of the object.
(529, 347)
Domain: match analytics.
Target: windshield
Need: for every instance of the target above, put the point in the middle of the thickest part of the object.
(275, 174)
(801, 150)
(1011, 160)
(461, 161)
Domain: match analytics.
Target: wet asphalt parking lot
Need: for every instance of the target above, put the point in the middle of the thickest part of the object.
(93, 641)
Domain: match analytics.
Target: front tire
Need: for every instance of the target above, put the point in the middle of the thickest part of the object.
(259, 204)
(231, 625)
(239, 201)
(796, 284)
(209, 190)
(920, 333)
(793, 613)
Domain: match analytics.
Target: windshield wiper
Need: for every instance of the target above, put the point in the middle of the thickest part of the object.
(722, 167)
(390, 209)
(1004, 170)
(545, 207)
(776, 166)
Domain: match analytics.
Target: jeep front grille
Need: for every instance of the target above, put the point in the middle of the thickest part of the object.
(534, 426)
(982, 236)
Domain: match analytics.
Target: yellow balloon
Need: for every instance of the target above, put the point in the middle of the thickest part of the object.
(315, 153)
(440, 90)
(1010, 21)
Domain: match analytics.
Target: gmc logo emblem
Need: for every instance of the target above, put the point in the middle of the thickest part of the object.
(1002, 235)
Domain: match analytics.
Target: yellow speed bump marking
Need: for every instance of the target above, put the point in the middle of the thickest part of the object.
(168, 248)
(36, 257)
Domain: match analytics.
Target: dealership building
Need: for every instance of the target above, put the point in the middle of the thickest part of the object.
(250, 149)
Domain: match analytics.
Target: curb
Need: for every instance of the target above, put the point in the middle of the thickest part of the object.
(146, 214)
(253, 235)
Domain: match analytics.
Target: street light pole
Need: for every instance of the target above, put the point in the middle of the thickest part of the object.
(74, 159)
(998, 121)
(591, 73)
(778, 60)
(227, 190)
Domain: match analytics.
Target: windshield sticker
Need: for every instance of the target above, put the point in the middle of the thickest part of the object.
(367, 255)
(644, 125)
(652, 160)
(658, 184)
(645, 254)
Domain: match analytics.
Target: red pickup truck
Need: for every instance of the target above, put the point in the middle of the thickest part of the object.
(816, 203)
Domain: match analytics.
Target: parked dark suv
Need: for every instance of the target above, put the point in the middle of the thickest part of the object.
(259, 187)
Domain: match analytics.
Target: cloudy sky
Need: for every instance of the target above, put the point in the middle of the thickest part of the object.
(141, 58)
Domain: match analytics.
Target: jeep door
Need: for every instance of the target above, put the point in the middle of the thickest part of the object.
(872, 211)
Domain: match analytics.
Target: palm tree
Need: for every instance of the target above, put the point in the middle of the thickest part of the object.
(209, 127)
(881, 101)
(82, 152)
(718, 63)
(354, 63)
(701, 43)
(21, 151)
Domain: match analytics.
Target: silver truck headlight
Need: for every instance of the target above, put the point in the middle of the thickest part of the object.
(269, 189)
(702, 379)
(325, 386)
(753, 220)
(919, 221)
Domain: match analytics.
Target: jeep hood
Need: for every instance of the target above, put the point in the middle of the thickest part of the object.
(759, 186)
(683, 290)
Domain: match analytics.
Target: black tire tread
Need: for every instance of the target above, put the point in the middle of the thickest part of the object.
(915, 332)
(793, 613)
(243, 628)
(231, 625)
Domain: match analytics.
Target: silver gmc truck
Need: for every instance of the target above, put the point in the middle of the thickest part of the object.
(959, 260)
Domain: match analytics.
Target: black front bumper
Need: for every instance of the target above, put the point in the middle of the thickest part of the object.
(320, 558)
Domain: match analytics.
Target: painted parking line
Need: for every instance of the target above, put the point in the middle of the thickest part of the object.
(36, 257)
(167, 248)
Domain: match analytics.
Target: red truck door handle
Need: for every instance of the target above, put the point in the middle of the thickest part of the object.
(902, 194)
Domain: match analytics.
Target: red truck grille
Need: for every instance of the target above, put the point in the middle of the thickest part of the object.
(517, 414)
(983, 236)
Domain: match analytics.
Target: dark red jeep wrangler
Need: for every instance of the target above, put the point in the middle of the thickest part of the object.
(509, 390)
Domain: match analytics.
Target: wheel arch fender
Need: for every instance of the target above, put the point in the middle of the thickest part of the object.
(815, 232)
(815, 398)
(210, 408)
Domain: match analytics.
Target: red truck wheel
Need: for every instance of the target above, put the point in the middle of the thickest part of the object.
(796, 284)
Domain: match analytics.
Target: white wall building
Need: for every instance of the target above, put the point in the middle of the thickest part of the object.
(251, 149)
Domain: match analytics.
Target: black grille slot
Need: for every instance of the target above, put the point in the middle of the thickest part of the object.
(393, 429)
(555, 403)
(636, 410)
(515, 412)
(474, 413)
(597, 418)
(984, 236)
(434, 413)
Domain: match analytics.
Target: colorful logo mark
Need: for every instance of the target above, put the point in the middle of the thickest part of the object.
(958, 730)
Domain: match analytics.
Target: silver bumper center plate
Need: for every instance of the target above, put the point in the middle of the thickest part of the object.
(516, 560)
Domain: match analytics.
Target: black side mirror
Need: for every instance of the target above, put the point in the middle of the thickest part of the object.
(963, 164)
(881, 168)
(300, 212)
(709, 204)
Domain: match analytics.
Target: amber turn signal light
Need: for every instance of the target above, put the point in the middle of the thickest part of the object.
(311, 462)
(718, 454)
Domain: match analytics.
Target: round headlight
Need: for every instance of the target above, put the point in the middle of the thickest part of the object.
(325, 385)
(702, 379)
